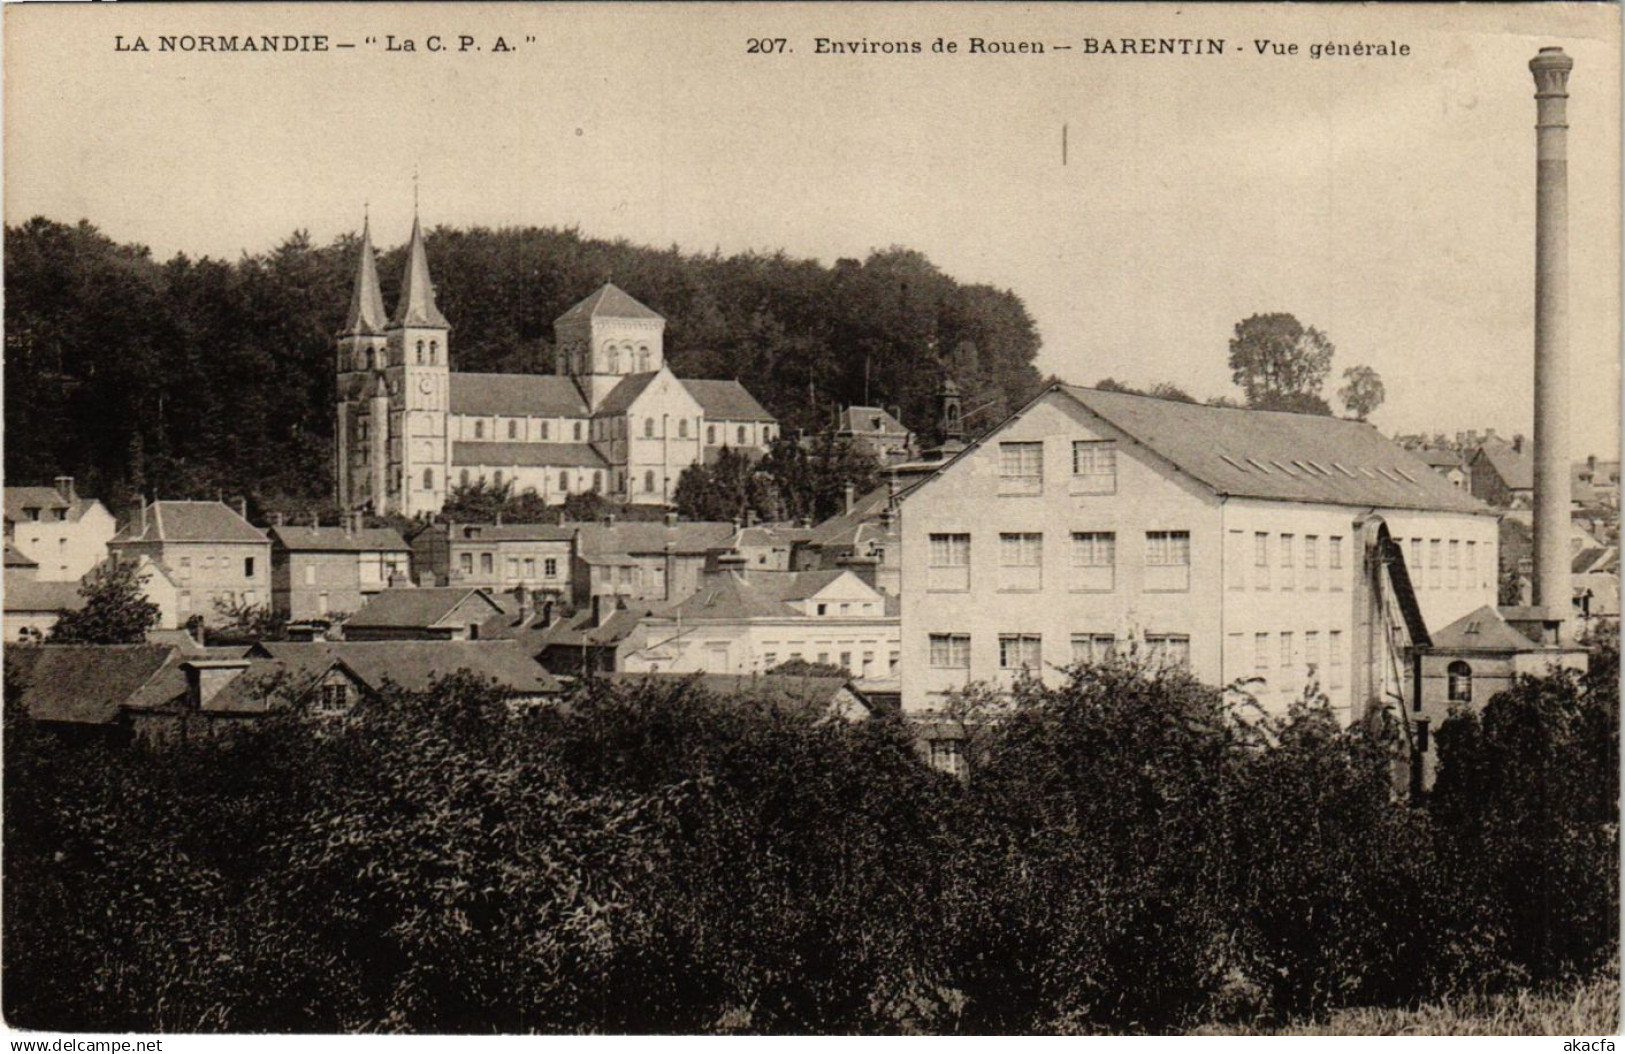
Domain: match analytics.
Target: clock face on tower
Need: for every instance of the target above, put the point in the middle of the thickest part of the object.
(425, 385)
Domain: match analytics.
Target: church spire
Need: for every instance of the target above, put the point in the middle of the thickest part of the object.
(416, 306)
(367, 315)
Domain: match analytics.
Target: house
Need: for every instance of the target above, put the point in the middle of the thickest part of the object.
(824, 698)
(216, 559)
(770, 546)
(595, 639)
(1467, 662)
(1277, 549)
(743, 621)
(876, 431)
(81, 690)
(430, 613)
(863, 538)
(657, 562)
(1598, 478)
(320, 572)
(1502, 473)
(211, 694)
(1447, 463)
(613, 419)
(65, 534)
(32, 606)
(499, 557)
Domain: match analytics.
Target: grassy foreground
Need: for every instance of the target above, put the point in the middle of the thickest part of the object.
(1587, 1009)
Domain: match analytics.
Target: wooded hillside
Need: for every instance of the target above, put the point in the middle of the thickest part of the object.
(189, 377)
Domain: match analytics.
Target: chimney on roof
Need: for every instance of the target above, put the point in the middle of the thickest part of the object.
(64, 487)
(609, 519)
(750, 517)
(526, 601)
(671, 518)
(242, 507)
(1517, 444)
(1591, 464)
(602, 606)
(499, 518)
(276, 519)
(851, 496)
(547, 614)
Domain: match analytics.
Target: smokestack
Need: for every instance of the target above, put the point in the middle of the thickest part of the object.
(851, 496)
(64, 487)
(1552, 485)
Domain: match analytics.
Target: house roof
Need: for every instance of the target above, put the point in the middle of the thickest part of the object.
(16, 558)
(870, 420)
(190, 521)
(690, 537)
(516, 395)
(25, 594)
(1438, 457)
(726, 401)
(1515, 467)
(731, 595)
(502, 532)
(573, 630)
(526, 455)
(337, 539)
(84, 683)
(811, 695)
(770, 534)
(414, 608)
(1482, 630)
(1275, 455)
(843, 529)
(415, 664)
(20, 498)
(608, 301)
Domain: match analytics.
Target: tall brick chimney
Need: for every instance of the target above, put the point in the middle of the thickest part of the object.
(1552, 484)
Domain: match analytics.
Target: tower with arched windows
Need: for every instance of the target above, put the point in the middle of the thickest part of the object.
(612, 418)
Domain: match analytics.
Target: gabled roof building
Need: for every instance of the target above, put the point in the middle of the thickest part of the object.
(612, 418)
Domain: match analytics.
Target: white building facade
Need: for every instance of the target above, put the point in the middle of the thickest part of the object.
(1238, 542)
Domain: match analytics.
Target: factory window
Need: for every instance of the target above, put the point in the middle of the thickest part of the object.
(1472, 565)
(462, 478)
(1021, 468)
(1435, 563)
(741, 435)
(597, 479)
(578, 432)
(1169, 649)
(1020, 651)
(248, 567)
(1287, 658)
(564, 481)
(1311, 561)
(1460, 679)
(1167, 561)
(496, 478)
(648, 428)
(1261, 652)
(1094, 561)
(310, 574)
(465, 563)
(649, 482)
(1334, 558)
(1021, 561)
(1093, 647)
(479, 429)
(1261, 560)
(710, 435)
(1455, 564)
(1311, 652)
(1288, 543)
(513, 567)
(1334, 659)
(545, 429)
(1094, 467)
(513, 429)
(1235, 556)
(682, 428)
(950, 650)
(428, 479)
(487, 564)
(949, 566)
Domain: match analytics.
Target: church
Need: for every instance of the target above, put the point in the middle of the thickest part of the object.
(612, 418)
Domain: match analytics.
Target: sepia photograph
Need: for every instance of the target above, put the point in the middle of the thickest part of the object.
(803, 519)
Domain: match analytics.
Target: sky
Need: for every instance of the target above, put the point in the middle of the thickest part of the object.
(1388, 201)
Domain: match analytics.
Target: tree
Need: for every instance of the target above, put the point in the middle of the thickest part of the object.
(810, 479)
(1276, 358)
(1364, 391)
(116, 609)
(1160, 390)
(726, 489)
